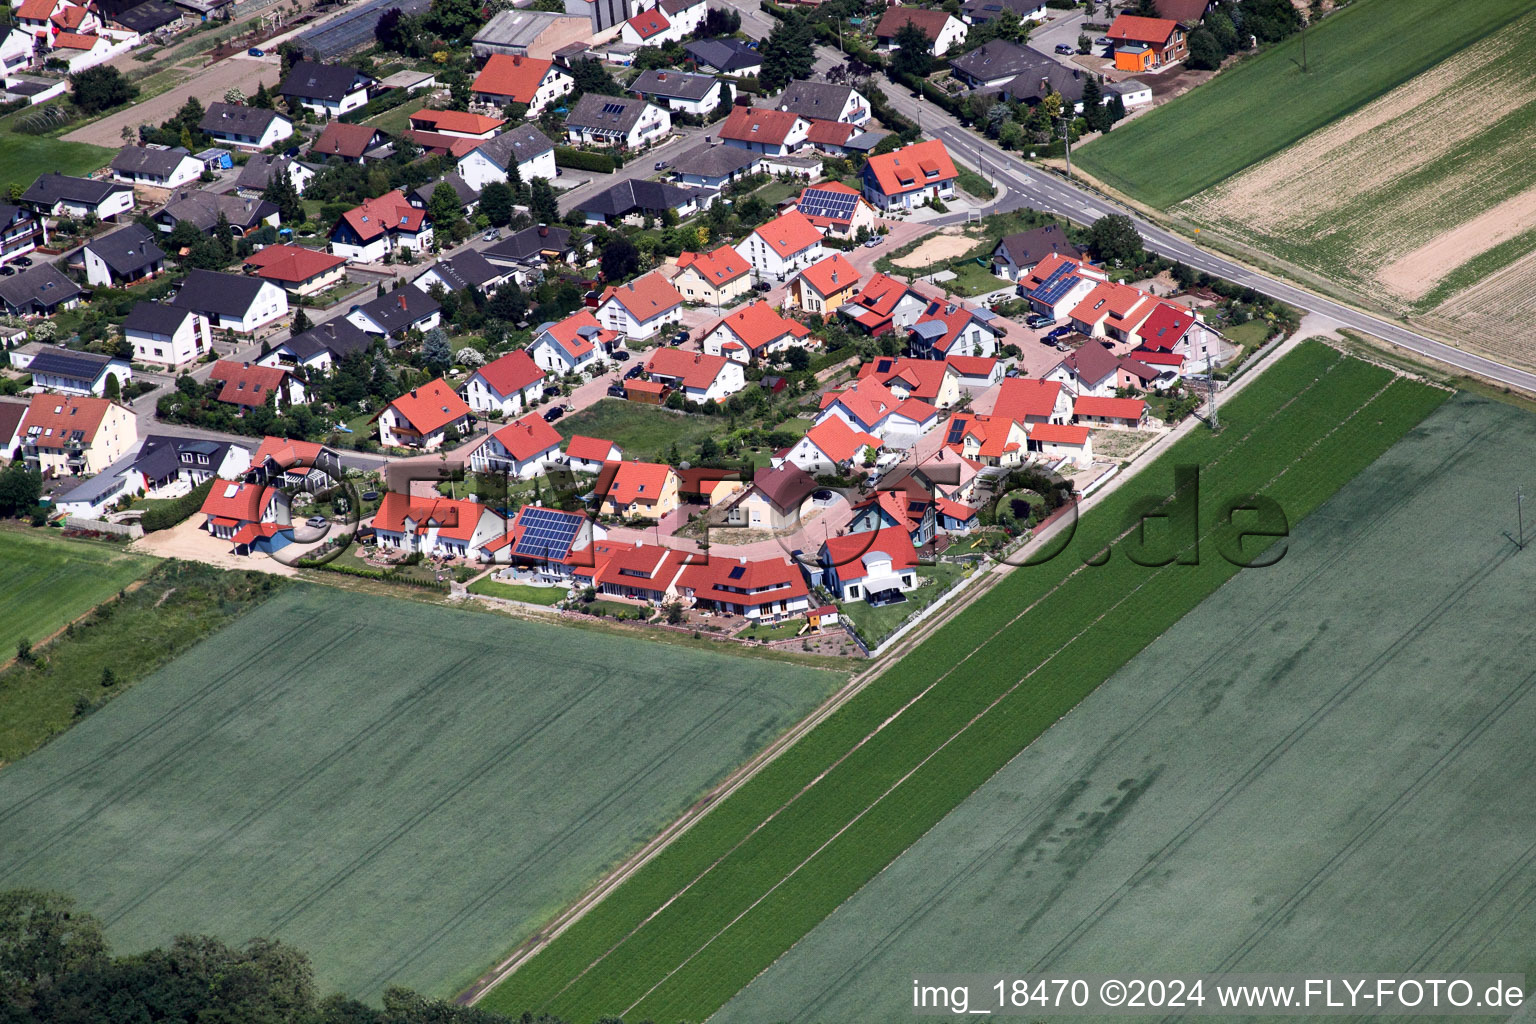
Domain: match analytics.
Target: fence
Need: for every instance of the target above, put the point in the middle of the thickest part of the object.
(133, 531)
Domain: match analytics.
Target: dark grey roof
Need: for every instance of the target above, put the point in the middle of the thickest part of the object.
(466, 192)
(671, 7)
(996, 59)
(203, 208)
(52, 187)
(468, 269)
(207, 291)
(982, 11)
(41, 286)
(1026, 248)
(814, 99)
(148, 16)
(864, 142)
(257, 173)
(714, 161)
(160, 457)
(127, 249)
(236, 119)
(528, 243)
(681, 84)
(614, 114)
(141, 160)
(727, 55)
(340, 337)
(1042, 75)
(155, 318)
(632, 196)
(62, 362)
(400, 309)
(311, 81)
(516, 145)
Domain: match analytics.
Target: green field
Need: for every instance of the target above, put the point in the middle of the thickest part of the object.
(517, 592)
(50, 581)
(24, 157)
(640, 431)
(743, 886)
(1266, 103)
(1327, 762)
(401, 789)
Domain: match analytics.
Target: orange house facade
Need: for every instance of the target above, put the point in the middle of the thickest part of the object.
(1146, 44)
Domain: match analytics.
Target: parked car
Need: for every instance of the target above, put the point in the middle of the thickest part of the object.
(23, 261)
(256, 51)
(316, 522)
(1064, 48)
(633, 372)
(680, 337)
(616, 391)
(762, 286)
(492, 235)
(661, 165)
(1038, 321)
(1101, 41)
(552, 414)
(7, 271)
(1060, 332)
(621, 356)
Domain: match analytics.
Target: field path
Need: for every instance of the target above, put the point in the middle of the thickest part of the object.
(209, 85)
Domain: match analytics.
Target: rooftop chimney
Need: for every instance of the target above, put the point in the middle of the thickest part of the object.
(402, 302)
(413, 392)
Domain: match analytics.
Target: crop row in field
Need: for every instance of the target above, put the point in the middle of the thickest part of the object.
(50, 581)
(746, 883)
(1266, 103)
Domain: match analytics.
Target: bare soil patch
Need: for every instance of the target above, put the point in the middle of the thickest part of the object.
(948, 245)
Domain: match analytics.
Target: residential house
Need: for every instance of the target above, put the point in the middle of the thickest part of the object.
(79, 51)
(829, 447)
(1177, 330)
(299, 270)
(61, 195)
(1016, 255)
(1146, 44)
(636, 490)
(638, 309)
(821, 101)
(879, 565)
(1054, 441)
(422, 417)
(554, 542)
(948, 328)
(650, 28)
(159, 167)
(579, 343)
(516, 79)
(262, 168)
(784, 245)
(644, 572)
(825, 286)
(330, 90)
(979, 12)
(755, 332)
(395, 313)
(585, 454)
(321, 347)
(163, 462)
(773, 501)
(636, 198)
(1038, 76)
(1188, 13)
(715, 278)
(976, 373)
(709, 485)
(900, 502)
(934, 382)
(1033, 400)
(885, 304)
(459, 123)
(467, 195)
(71, 372)
(11, 414)
(167, 335)
(909, 177)
(989, 440)
(944, 31)
(435, 527)
(203, 209)
(350, 143)
(1112, 310)
(762, 590)
(122, 257)
(534, 247)
(527, 33)
(713, 167)
(630, 123)
(681, 91)
(21, 231)
(1090, 370)
(1127, 413)
(71, 435)
(506, 385)
(837, 210)
(437, 144)
(245, 127)
(867, 405)
(1056, 284)
(518, 449)
(994, 63)
(699, 376)
(685, 16)
(523, 147)
(725, 56)
(39, 290)
(764, 130)
(253, 517)
(465, 269)
(250, 385)
(365, 233)
(232, 301)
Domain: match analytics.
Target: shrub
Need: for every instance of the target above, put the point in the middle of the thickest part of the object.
(579, 160)
(176, 512)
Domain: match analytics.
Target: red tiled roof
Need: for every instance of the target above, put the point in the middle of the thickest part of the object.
(1132, 28)
(955, 316)
(991, 434)
(645, 297)
(759, 124)
(930, 21)
(831, 275)
(430, 407)
(973, 366)
(759, 324)
(721, 266)
(644, 567)
(847, 552)
(455, 121)
(923, 378)
(516, 78)
(833, 186)
(389, 211)
(649, 23)
(881, 294)
(838, 441)
(75, 41)
(59, 416)
(567, 333)
(435, 143)
(70, 16)
(243, 503)
(1154, 358)
(35, 10)
(1109, 408)
(341, 139)
(532, 435)
(693, 369)
(454, 519)
(522, 521)
(723, 579)
(511, 373)
(589, 449)
(830, 133)
(912, 167)
(789, 233)
(286, 452)
(1022, 397)
(632, 482)
(1058, 433)
(1165, 325)
(1048, 265)
(292, 264)
(246, 383)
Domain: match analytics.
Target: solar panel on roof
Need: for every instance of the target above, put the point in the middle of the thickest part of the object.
(956, 432)
(1056, 285)
(738, 571)
(67, 364)
(546, 533)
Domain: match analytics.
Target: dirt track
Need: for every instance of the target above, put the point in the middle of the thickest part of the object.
(208, 85)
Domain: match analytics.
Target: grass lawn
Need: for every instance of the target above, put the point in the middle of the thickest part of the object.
(975, 185)
(1249, 335)
(513, 592)
(783, 631)
(971, 279)
(776, 191)
(780, 854)
(1266, 103)
(396, 119)
(642, 431)
(49, 581)
(875, 624)
(24, 157)
(401, 789)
